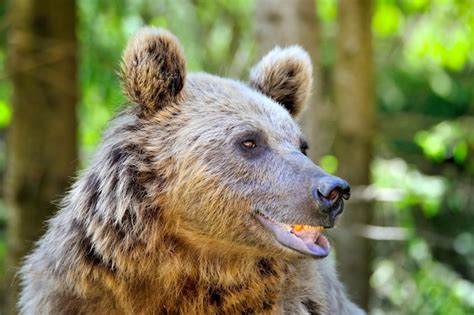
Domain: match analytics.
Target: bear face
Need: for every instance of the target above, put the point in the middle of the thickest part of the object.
(237, 173)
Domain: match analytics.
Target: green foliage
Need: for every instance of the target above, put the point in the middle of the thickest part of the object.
(447, 140)
(411, 271)
(424, 61)
(5, 111)
(104, 28)
(429, 286)
(329, 163)
(387, 19)
(327, 10)
(415, 188)
(443, 36)
(5, 114)
(424, 58)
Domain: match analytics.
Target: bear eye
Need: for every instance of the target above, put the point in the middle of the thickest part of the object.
(249, 144)
(304, 147)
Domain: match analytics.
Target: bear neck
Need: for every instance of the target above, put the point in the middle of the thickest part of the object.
(137, 249)
(200, 280)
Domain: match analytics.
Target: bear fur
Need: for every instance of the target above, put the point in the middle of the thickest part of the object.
(162, 220)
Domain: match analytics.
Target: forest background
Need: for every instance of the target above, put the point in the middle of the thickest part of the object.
(392, 111)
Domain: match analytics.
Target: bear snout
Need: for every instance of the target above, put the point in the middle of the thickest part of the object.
(329, 193)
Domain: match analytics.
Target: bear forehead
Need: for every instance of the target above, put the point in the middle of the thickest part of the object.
(231, 103)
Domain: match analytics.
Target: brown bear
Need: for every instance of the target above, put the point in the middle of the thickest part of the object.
(199, 200)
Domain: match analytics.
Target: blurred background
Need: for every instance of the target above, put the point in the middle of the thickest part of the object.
(392, 111)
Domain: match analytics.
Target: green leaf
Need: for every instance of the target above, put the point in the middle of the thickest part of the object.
(5, 114)
(387, 19)
(460, 151)
(327, 9)
(329, 163)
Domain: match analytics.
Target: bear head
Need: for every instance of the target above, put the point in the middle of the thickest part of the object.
(231, 158)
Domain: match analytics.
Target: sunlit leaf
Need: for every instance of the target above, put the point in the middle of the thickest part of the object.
(432, 145)
(327, 9)
(5, 114)
(387, 19)
(329, 163)
(460, 151)
(415, 5)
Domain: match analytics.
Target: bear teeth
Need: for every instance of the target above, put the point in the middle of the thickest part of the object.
(301, 227)
(293, 227)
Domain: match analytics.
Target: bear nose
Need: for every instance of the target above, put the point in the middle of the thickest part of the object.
(328, 191)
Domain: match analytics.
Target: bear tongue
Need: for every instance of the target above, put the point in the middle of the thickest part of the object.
(312, 237)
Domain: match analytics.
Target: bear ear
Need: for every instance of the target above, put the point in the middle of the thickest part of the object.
(153, 69)
(286, 76)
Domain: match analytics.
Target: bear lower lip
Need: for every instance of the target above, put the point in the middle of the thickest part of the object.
(302, 238)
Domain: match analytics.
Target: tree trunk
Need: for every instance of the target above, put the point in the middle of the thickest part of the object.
(42, 139)
(284, 23)
(354, 98)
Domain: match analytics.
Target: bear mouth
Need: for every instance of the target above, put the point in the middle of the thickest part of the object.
(306, 239)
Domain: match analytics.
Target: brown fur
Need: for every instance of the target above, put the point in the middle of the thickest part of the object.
(287, 78)
(161, 222)
(151, 78)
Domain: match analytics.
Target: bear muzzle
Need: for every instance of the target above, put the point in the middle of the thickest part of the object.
(328, 194)
(306, 239)
(327, 198)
